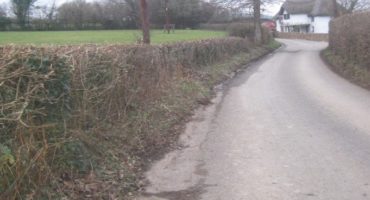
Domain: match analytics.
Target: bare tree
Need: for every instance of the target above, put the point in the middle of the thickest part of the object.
(244, 4)
(21, 9)
(257, 21)
(72, 13)
(50, 12)
(255, 6)
(145, 21)
(3, 10)
(349, 6)
(167, 17)
(183, 13)
(4, 20)
(335, 7)
(79, 13)
(47, 13)
(132, 7)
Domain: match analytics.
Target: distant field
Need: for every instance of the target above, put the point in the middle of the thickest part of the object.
(102, 37)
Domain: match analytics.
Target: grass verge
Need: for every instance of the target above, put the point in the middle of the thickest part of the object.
(102, 37)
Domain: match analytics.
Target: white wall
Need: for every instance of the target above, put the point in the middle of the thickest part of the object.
(321, 24)
(278, 27)
(297, 20)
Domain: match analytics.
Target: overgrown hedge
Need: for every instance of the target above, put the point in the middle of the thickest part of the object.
(349, 45)
(64, 109)
(350, 38)
(246, 30)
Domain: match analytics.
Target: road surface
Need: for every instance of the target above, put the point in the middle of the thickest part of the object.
(287, 128)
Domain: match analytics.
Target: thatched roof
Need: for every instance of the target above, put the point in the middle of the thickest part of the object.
(309, 7)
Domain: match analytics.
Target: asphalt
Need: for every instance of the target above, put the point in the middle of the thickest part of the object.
(287, 128)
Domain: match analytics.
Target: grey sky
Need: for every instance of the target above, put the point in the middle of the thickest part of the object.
(40, 2)
(270, 10)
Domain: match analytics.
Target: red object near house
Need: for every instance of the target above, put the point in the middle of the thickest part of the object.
(270, 25)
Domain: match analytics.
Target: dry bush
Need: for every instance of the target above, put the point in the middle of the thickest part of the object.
(349, 46)
(35, 105)
(59, 106)
(350, 38)
(246, 30)
(243, 30)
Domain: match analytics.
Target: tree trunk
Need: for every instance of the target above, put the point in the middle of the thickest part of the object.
(167, 18)
(145, 21)
(335, 8)
(257, 21)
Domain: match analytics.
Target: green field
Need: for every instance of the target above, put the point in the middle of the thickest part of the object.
(102, 37)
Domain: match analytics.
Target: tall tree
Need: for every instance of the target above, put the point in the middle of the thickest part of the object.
(21, 9)
(3, 12)
(145, 21)
(167, 17)
(349, 6)
(46, 14)
(335, 7)
(4, 20)
(182, 13)
(133, 10)
(73, 13)
(257, 21)
(255, 6)
(50, 12)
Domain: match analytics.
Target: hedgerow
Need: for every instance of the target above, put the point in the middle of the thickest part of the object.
(349, 43)
(73, 117)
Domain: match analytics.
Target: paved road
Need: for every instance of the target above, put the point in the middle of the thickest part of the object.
(286, 129)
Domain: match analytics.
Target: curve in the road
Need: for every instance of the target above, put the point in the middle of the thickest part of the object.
(288, 128)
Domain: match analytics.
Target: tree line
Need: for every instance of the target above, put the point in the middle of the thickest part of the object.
(110, 14)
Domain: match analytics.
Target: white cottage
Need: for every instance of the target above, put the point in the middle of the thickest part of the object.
(305, 16)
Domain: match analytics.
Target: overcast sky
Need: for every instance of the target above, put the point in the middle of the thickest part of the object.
(270, 10)
(42, 2)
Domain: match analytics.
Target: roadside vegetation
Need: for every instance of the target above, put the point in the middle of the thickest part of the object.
(84, 113)
(349, 45)
(82, 122)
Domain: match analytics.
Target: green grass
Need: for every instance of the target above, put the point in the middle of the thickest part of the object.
(102, 37)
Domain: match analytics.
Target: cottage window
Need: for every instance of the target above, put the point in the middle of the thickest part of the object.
(286, 16)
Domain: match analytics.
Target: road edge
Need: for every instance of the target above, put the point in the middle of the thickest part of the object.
(344, 69)
(215, 89)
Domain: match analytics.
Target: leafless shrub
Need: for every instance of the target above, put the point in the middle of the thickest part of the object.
(349, 47)
(247, 30)
(350, 38)
(54, 99)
